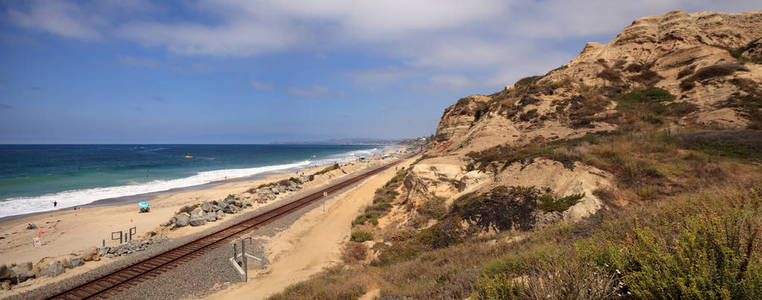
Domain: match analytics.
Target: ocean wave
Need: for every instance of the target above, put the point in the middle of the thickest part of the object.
(347, 156)
(72, 198)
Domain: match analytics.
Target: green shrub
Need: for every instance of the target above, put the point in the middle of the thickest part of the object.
(361, 236)
(443, 234)
(434, 208)
(327, 169)
(498, 286)
(502, 208)
(650, 95)
(712, 258)
(549, 203)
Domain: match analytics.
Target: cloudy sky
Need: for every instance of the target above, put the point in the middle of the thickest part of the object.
(247, 71)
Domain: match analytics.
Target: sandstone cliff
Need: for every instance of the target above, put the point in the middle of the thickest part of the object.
(706, 66)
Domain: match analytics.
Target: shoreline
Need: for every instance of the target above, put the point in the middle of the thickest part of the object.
(70, 230)
(121, 200)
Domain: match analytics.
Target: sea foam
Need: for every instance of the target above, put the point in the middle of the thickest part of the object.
(24, 205)
(72, 198)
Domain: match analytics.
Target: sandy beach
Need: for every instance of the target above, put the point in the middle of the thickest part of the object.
(68, 231)
(311, 244)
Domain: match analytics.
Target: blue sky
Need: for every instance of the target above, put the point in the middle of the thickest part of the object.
(233, 71)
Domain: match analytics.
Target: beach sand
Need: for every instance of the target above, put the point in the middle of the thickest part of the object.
(67, 231)
(310, 244)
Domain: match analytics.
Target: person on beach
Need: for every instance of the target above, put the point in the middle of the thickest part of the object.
(55, 203)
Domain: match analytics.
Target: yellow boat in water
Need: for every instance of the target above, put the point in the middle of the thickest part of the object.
(188, 156)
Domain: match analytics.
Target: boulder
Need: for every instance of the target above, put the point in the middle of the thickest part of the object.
(22, 272)
(197, 220)
(76, 262)
(211, 216)
(275, 190)
(5, 272)
(182, 219)
(56, 268)
(6, 285)
(91, 254)
(238, 203)
(230, 209)
(197, 212)
(247, 204)
(220, 214)
(206, 207)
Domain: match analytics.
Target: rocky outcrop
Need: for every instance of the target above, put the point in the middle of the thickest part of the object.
(207, 212)
(707, 65)
(686, 54)
(131, 247)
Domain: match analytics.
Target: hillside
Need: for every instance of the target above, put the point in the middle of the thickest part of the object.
(632, 171)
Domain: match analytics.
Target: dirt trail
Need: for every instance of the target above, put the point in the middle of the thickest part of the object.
(311, 244)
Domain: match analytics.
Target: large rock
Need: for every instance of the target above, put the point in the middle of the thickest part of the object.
(56, 268)
(230, 209)
(22, 272)
(5, 272)
(91, 254)
(220, 214)
(182, 219)
(76, 262)
(197, 220)
(197, 212)
(211, 216)
(6, 285)
(206, 207)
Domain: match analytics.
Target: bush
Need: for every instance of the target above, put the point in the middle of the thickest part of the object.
(712, 258)
(434, 208)
(610, 75)
(355, 252)
(361, 236)
(442, 234)
(727, 143)
(503, 208)
(327, 169)
(549, 203)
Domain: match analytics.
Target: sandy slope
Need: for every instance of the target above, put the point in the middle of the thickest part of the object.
(312, 243)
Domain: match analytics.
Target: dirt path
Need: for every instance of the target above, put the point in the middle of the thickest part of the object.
(312, 243)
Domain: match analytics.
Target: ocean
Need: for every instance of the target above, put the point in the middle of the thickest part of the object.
(33, 176)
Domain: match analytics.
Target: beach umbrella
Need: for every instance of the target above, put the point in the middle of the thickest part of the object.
(143, 204)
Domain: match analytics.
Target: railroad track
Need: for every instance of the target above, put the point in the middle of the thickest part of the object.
(131, 275)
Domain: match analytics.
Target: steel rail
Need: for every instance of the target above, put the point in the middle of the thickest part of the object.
(151, 267)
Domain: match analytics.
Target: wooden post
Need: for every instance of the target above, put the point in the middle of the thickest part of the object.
(235, 252)
(245, 260)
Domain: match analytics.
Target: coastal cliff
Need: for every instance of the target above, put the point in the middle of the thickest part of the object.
(622, 174)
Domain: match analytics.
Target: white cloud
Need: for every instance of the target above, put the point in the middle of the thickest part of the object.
(495, 39)
(57, 17)
(262, 86)
(315, 91)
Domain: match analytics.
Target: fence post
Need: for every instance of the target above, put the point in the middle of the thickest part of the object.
(121, 237)
(263, 257)
(235, 252)
(245, 261)
(133, 230)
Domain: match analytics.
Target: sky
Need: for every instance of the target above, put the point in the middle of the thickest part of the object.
(248, 71)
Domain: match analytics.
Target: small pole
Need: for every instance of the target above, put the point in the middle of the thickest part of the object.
(103, 244)
(263, 257)
(235, 252)
(245, 261)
